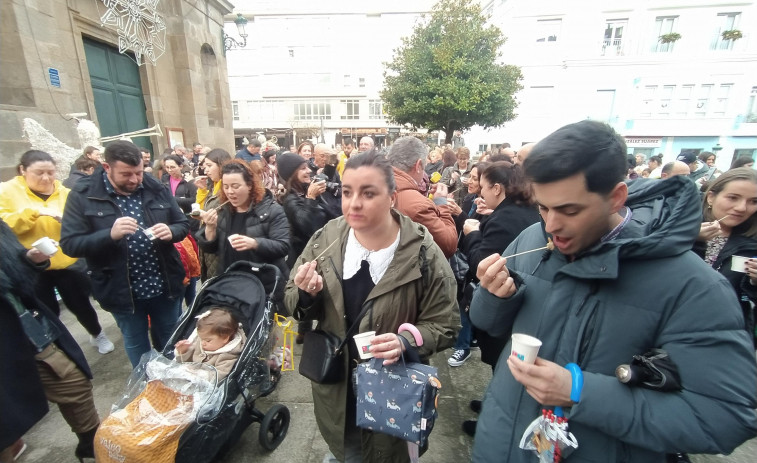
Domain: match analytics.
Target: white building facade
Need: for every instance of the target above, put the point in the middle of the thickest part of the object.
(604, 60)
(309, 65)
(312, 65)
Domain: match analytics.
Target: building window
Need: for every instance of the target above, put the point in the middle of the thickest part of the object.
(351, 109)
(375, 109)
(266, 110)
(647, 100)
(547, 30)
(235, 110)
(663, 25)
(682, 104)
(720, 105)
(603, 104)
(361, 82)
(726, 22)
(291, 52)
(703, 99)
(665, 104)
(612, 44)
(751, 112)
(347, 80)
(745, 152)
(311, 110)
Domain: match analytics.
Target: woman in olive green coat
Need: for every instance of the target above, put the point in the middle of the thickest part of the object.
(382, 259)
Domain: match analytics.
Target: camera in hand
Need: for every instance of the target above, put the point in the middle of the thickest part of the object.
(331, 187)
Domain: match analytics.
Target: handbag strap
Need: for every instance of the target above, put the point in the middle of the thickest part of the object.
(355, 324)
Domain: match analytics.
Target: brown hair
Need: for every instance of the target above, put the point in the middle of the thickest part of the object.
(512, 179)
(463, 153)
(749, 227)
(219, 322)
(299, 147)
(252, 175)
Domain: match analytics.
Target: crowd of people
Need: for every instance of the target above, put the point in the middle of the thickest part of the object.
(411, 235)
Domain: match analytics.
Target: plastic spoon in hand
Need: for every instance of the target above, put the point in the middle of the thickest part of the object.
(723, 218)
(550, 245)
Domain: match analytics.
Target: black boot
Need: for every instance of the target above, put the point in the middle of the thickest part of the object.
(86, 446)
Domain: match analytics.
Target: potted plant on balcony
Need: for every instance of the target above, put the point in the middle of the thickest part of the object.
(670, 37)
(733, 34)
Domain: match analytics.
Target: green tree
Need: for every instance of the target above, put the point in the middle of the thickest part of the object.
(447, 76)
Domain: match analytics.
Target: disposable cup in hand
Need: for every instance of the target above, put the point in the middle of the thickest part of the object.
(525, 347)
(231, 238)
(363, 343)
(46, 246)
(195, 209)
(738, 263)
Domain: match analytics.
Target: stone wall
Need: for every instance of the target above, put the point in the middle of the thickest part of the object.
(36, 35)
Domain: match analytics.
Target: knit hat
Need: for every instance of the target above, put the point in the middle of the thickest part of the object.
(288, 163)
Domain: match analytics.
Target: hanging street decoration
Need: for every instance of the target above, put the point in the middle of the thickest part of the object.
(140, 28)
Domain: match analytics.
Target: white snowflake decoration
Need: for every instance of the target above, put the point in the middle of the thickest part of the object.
(140, 28)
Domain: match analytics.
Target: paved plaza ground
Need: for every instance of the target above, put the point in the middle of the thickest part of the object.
(51, 441)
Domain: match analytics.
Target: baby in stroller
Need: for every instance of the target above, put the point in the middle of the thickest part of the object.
(217, 340)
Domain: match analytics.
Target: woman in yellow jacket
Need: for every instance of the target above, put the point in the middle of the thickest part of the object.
(32, 205)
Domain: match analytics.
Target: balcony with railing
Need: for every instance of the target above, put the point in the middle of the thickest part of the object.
(612, 47)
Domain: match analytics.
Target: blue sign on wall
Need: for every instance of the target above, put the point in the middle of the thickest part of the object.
(54, 77)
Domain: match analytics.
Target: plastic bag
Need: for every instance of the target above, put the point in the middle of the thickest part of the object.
(161, 399)
(548, 437)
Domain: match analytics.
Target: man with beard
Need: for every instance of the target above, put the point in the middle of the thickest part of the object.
(125, 225)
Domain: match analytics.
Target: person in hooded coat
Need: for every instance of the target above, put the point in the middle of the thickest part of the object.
(29, 378)
(583, 302)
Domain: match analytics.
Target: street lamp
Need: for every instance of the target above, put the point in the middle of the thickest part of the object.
(229, 42)
(716, 148)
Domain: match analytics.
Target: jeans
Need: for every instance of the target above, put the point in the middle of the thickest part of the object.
(74, 288)
(190, 291)
(465, 335)
(163, 315)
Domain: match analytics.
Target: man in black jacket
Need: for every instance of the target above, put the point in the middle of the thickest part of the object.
(125, 225)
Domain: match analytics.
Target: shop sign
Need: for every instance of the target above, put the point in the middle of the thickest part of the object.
(643, 142)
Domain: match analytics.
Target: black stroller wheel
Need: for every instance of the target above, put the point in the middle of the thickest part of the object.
(274, 427)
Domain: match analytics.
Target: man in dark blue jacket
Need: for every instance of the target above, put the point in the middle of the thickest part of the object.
(620, 282)
(125, 225)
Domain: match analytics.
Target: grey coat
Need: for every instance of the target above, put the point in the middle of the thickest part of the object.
(644, 289)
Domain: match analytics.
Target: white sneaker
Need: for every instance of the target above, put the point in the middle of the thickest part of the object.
(102, 343)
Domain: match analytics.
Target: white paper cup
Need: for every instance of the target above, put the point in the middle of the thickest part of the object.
(362, 341)
(738, 263)
(525, 347)
(195, 209)
(46, 246)
(231, 237)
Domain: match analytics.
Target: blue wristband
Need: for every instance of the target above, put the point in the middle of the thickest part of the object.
(578, 382)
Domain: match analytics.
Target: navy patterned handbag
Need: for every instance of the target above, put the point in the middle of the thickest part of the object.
(398, 399)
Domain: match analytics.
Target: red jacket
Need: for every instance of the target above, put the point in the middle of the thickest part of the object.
(414, 204)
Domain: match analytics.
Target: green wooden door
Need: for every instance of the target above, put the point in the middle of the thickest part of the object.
(119, 101)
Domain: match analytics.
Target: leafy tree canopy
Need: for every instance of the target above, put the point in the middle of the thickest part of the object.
(446, 76)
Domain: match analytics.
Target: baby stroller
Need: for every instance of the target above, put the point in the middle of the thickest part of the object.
(250, 291)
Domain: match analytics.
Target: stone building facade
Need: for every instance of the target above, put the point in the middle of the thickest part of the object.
(58, 59)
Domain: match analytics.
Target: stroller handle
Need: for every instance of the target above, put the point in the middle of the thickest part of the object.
(255, 267)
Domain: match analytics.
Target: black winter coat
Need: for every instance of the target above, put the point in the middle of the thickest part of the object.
(22, 398)
(306, 216)
(737, 245)
(495, 234)
(267, 223)
(185, 195)
(85, 232)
